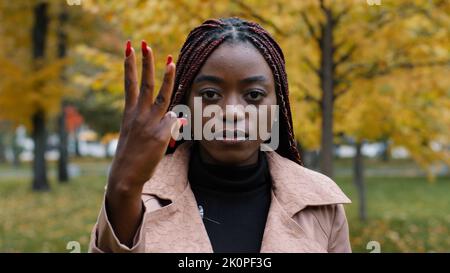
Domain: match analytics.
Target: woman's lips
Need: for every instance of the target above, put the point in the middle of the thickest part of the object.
(231, 136)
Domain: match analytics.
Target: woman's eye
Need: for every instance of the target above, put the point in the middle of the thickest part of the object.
(210, 95)
(255, 95)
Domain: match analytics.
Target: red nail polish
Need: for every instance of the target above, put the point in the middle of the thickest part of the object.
(183, 121)
(169, 59)
(144, 48)
(128, 49)
(172, 143)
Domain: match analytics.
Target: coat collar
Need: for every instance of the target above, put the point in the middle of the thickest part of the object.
(294, 186)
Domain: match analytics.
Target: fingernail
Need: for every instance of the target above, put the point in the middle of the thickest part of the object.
(169, 59)
(144, 48)
(183, 121)
(172, 143)
(128, 49)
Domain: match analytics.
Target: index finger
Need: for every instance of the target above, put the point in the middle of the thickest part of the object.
(163, 99)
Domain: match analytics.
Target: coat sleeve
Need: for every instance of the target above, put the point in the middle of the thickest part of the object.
(339, 237)
(104, 239)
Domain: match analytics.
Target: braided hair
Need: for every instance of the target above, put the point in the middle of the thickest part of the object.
(204, 39)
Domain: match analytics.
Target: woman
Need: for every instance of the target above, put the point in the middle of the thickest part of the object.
(222, 194)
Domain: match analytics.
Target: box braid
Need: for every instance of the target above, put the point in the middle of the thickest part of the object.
(204, 39)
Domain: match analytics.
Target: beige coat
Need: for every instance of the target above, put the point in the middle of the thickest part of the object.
(306, 212)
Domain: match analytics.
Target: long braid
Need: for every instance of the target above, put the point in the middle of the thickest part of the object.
(204, 39)
(283, 101)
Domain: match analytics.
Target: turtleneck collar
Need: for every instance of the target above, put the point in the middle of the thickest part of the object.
(228, 179)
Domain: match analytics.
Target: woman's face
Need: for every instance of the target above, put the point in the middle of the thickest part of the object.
(234, 74)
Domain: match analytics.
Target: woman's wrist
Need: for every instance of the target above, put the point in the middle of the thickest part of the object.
(123, 189)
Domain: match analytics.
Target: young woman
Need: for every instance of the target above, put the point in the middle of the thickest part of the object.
(219, 195)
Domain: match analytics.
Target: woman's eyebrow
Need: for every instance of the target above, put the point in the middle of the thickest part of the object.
(208, 78)
(254, 79)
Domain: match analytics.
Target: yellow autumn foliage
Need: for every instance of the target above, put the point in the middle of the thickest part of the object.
(394, 86)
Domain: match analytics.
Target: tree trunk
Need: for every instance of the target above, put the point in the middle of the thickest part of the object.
(16, 150)
(39, 34)
(40, 182)
(385, 154)
(326, 77)
(358, 180)
(107, 155)
(2, 148)
(77, 142)
(63, 175)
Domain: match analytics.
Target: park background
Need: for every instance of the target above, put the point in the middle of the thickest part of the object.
(369, 87)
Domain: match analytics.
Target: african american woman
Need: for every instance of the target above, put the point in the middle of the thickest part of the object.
(225, 193)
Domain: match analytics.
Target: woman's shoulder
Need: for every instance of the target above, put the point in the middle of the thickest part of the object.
(289, 167)
(309, 186)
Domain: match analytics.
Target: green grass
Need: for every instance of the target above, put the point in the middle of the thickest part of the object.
(47, 221)
(406, 214)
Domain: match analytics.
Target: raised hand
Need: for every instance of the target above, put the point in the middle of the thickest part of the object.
(145, 133)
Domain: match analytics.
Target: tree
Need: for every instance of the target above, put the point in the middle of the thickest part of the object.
(31, 88)
(342, 56)
(2, 142)
(39, 133)
(63, 174)
(404, 88)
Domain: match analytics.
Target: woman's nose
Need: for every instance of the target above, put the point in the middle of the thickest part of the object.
(234, 113)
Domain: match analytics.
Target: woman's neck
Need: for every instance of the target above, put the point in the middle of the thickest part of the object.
(228, 178)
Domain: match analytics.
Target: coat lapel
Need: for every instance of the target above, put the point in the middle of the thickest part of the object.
(282, 234)
(293, 189)
(178, 227)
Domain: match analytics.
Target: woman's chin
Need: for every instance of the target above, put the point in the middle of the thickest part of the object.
(232, 152)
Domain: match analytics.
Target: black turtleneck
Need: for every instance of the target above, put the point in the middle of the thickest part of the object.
(234, 201)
